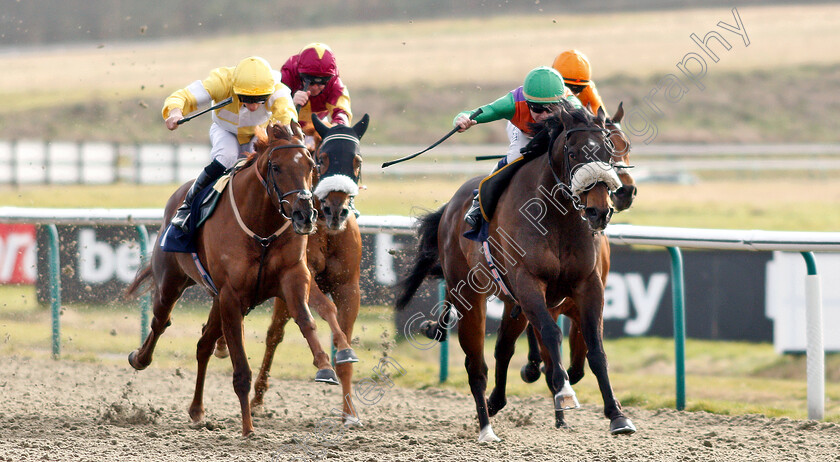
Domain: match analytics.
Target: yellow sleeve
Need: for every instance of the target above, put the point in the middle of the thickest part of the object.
(216, 87)
(281, 106)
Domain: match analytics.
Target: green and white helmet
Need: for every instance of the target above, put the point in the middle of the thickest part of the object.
(543, 85)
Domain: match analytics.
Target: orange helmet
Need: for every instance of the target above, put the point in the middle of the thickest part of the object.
(574, 67)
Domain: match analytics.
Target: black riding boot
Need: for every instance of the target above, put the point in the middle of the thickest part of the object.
(207, 176)
(473, 216)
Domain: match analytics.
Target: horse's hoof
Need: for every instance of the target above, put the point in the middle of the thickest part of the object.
(495, 404)
(530, 373)
(257, 409)
(346, 356)
(561, 424)
(565, 399)
(350, 421)
(132, 359)
(486, 435)
(622, 426)
(196, 414)
(221, 352)
(327, 376)
(432, 330)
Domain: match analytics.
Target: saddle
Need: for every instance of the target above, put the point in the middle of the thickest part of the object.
(203, 206)
(492, 187)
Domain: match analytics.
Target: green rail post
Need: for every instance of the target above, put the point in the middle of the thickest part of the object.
(146, 299)
(444, 345)
(55, 290)
(678, 293)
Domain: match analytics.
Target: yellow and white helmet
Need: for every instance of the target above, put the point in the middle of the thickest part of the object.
(252, 77)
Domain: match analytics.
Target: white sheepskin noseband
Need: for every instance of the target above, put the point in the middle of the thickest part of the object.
(590, 173)
(340, 183)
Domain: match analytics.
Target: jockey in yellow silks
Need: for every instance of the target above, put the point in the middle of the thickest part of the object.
(259, 98)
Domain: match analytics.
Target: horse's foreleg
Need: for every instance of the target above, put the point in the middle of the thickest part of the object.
(509, 331)
(534, 306)
(577, 354)
(295, 286)
(347, 299)
(328, 312)
(209, 333)
(530, 372)
(231, 313)
(276, 331)
(589, 298)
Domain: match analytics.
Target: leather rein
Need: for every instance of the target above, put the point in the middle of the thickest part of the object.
(265, 242)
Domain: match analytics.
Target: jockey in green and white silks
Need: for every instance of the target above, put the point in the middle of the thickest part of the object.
(532, 102)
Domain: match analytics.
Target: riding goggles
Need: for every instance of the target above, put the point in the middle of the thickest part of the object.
(316, 79)
(537, 108)
(251, 99)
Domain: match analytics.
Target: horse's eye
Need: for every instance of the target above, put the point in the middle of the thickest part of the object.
(276, 168)
(573, 156)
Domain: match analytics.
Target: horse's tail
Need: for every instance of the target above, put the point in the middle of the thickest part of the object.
(143, 274)
(427, 261)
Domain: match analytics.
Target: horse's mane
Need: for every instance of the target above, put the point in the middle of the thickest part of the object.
(263, 141)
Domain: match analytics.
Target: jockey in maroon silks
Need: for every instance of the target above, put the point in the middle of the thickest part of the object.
(312, 76)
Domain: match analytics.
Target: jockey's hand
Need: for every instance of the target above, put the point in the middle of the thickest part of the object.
(301, 98)
(464, 123)
(174, 116)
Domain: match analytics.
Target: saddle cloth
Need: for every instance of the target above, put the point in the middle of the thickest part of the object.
(203, 206)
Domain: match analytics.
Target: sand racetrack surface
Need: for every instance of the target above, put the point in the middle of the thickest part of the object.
(67, 411)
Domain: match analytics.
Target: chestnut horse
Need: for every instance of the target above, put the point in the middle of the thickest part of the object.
(272, 194)
(334, 252)
(554, 255)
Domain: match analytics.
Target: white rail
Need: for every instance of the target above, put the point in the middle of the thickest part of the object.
(672, 238)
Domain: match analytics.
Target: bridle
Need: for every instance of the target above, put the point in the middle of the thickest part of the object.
(271, 184)
(565, 183)
(619, 165)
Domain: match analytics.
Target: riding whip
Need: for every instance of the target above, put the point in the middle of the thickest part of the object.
(403, 159)
(492, 157)
(221, 103)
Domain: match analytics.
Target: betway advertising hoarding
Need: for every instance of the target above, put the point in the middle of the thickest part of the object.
(730, 295)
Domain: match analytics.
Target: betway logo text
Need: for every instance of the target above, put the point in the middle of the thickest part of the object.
(100, 261)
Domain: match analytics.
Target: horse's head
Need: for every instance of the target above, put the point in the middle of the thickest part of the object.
(623, 197)
(288, 175)
(581, 153)
(339, 169)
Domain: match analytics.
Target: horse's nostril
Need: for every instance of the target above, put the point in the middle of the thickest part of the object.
(345, 212)
(297, 216)
(327, 211)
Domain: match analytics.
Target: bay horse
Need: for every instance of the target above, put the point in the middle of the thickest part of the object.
(334, 252)
(272, 195)
(622, 199)
(554, 255)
